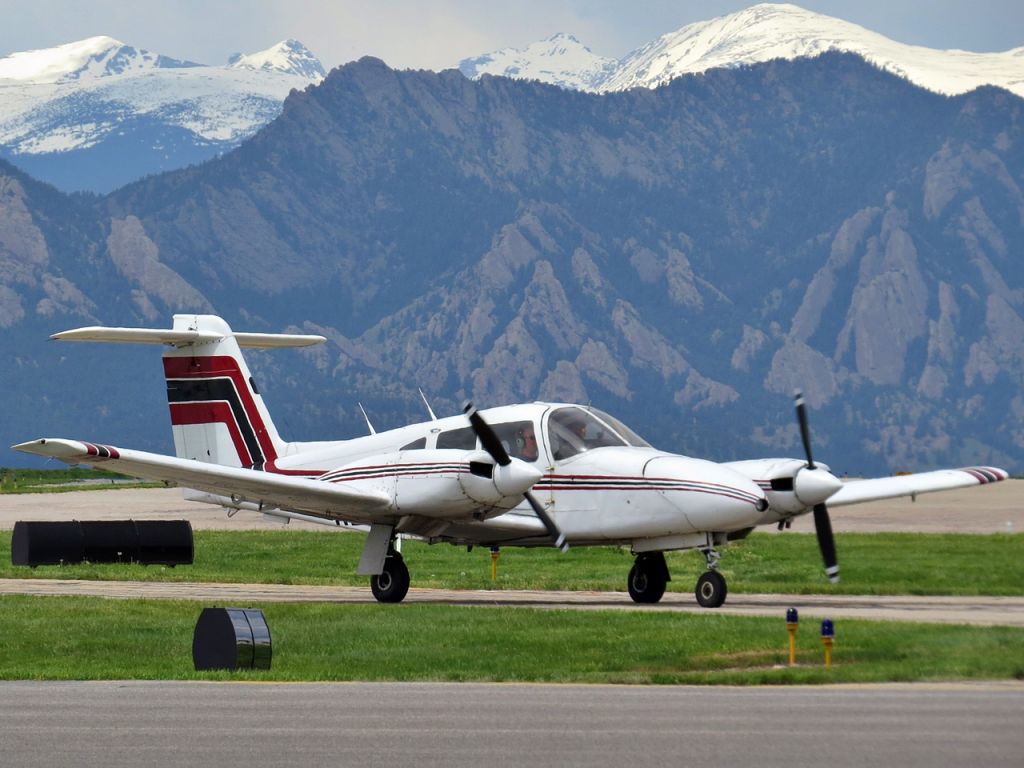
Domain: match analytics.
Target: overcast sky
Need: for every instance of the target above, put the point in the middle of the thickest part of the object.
(435, 34)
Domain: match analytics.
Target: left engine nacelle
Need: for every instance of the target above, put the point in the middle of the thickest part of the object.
(446, 484)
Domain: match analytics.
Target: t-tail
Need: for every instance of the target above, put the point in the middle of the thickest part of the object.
(217, 412)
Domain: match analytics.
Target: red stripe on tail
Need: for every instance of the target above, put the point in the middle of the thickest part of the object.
(208, 413)
(224, 366)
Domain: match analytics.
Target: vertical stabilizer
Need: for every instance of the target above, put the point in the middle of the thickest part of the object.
(217, 413)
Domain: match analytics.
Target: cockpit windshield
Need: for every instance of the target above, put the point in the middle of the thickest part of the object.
(573, 430)
(628, 434)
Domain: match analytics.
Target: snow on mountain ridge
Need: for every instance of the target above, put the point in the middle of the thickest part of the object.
(560, 60)
(93, 57)
(781, 31)
(757, 34)
(72, 96)
(289, 56)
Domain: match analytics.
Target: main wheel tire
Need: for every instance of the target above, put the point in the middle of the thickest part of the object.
(711, 589)
(645, 584)
(392, 584)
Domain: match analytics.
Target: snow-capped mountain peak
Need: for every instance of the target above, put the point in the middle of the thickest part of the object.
(751, 36)
(289, 56)
(109, 98)
(782, 31)
(91, 58)
(560, 60)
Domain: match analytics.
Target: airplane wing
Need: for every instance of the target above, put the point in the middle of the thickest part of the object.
(297, 494)
(858, 491)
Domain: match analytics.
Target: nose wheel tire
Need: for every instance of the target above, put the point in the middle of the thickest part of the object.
(648, 578)
(392, 584)
(711, 589)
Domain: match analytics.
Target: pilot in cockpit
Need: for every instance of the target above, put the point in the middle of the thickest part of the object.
(525, 443)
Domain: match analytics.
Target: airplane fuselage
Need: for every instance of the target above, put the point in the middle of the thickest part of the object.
(603, 494)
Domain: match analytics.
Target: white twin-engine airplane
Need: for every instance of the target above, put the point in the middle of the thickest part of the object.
(521, 475)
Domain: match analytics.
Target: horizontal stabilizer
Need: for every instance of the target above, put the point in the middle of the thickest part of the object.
(180, 338)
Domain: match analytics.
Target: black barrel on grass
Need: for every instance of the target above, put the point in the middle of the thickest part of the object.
(149, 542)
(165, 542)
(231, 638)
(110, 541)
(46, 543)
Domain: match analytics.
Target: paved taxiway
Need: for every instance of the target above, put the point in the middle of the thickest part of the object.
(981, 611)
(996, 508)
(113, 724)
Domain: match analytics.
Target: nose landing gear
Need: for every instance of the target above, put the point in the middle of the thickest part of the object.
(711, 587)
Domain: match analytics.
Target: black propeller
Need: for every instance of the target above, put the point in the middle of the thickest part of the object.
(805, 432)
(493, 446)
(822, 523)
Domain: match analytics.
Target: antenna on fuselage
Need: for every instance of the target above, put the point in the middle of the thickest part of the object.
(429, 409)
(368, 424)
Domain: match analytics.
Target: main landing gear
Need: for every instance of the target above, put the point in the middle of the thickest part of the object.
(649, 576)
(392, 584)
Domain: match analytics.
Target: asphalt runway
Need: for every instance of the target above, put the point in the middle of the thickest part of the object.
(240, 725)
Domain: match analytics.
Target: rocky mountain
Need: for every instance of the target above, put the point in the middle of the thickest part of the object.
(757, 34)
(682, 256)
(97, 114)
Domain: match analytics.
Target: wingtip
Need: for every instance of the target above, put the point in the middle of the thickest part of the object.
(54, 448)
(29, 446)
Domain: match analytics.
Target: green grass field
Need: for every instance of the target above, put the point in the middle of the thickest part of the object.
(92, 638)
(882, 563)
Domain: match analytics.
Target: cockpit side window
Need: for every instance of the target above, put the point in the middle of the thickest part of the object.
(519, 439)
(464, 439)
(573, 430)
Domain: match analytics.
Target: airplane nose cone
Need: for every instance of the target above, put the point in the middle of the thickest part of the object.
(713, 497)
(815, 486)
(516, 478)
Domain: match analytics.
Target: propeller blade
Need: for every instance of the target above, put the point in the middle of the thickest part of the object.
(826, 542)
(821, 486)
(556, 535)
(488, 439)
(805, 432)
(493, 446)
